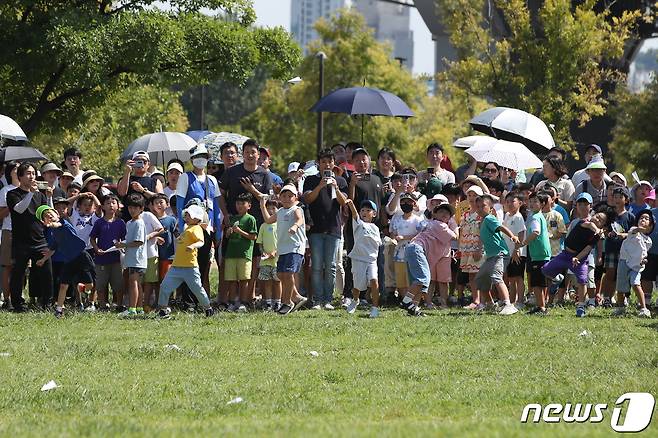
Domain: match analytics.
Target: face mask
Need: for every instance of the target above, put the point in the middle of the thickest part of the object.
(199, 163)
(407, 208)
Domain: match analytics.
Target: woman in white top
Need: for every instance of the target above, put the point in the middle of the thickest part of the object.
(556, 172)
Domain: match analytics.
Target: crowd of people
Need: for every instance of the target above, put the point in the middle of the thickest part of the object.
(341, 230)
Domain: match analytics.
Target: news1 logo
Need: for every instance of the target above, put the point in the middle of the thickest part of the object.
(637, 417)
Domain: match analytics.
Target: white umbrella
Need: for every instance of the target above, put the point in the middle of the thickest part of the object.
(10, 129)
(215, 140)
(162, 147)
(514, 125)
(508, 154)
(473, 140)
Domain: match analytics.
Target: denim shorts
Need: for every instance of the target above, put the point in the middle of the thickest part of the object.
(291, 262)
(417, 267)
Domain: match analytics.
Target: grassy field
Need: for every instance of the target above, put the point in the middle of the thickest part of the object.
(451, 373)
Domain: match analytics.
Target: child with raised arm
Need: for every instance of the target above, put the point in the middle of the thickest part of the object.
(62, 239)
(364, 254)
(578, 244)
(632, 258)
(291, 245)
(185, 266)
(267, 239)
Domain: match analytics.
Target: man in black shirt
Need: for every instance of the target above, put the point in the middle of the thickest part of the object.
(28, 240)
(324, 193)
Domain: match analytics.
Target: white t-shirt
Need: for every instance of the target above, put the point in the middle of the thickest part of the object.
(6, 222)
(290, 243)
(169, 193)
(400, 226)
(421, 203)
(516, 224)
(634, 249)
(151, 223)
(366, 241)
(83, 225)
(565, 188)
(500, 211)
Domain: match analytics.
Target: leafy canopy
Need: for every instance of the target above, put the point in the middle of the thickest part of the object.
(557, 69)
(59, 58)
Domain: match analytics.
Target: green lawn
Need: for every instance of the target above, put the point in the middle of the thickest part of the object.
(451, 373)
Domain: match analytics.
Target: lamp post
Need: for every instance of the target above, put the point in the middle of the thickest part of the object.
(321, 57)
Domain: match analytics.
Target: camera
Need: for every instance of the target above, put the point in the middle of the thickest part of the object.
(42, 185)
(364, 177)
(138, 164)
(327, 174)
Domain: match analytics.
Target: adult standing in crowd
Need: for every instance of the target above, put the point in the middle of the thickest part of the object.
(50, 173)
(136, 180)
(73, 163)
(6, 259)
(386, 166)
(491, 171)
(538, 176)
(265, 161)
(324, 194)
(246, 177)
(196, 184)
(595, 183)
(434, 159)
(174, 170)
(28, 240)
(228, 152)
(592, 151)
(556, 172)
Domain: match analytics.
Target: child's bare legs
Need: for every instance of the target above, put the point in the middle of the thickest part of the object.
(62, 295)
(223, 294)
(287, 287)
(6, 275)
(540, 296)
(233, 291)
(374, 292)
(276, 291)
(266, 287)
(246, 295)
(640, 296)
(430, 293)
(148, 294)
(134, 286)
(444, 290)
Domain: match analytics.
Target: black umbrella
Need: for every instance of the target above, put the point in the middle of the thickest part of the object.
(363, 101)
(21, 153)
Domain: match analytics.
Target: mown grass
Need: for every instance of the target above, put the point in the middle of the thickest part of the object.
(450, 374)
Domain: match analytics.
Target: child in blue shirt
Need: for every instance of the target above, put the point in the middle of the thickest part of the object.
(63, 240)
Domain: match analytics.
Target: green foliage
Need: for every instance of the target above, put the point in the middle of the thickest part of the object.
(556, 70)
(283, 120)
(58, 59)
(109, 129)
(635, 135)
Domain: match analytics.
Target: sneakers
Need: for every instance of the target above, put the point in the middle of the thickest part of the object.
(374, 312)
(519, 305)
(299, 304)
(164, 313)
(284, 309)
(508, 309)
(59, 314)
(607, 303)
(128, 313)
(557, 279)
(580, 311)
(644, 313)
(591, 304)
(538, 311)
(414, 310)
(91, 308)
(346, 302)
(328, 306)
(233, 307)
(352, 307)
(430, 306)
(241, 309)
(619, 311)
(316, 307)
(209, 312)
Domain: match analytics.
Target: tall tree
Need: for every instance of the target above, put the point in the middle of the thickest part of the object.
(555, 63)
(354, 57)
(635, 135)
(59, 58)
(110, 127)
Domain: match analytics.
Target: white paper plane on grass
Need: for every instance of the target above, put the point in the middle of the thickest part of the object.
(50, 385)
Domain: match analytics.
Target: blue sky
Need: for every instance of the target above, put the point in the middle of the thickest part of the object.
(277, 13)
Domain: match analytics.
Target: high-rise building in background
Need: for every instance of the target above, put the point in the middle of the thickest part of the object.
(390, 22)
(304, 14)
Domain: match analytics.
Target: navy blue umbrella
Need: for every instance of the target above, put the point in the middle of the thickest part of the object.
(198, 135)
(363, 101)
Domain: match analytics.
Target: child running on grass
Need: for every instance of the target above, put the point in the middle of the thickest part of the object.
(291, 245)
(78, 266)
(490, 275)
(267, 239)
(632, 258)
(364, 254)
(185, 266)
(578, 244)
(403, 227)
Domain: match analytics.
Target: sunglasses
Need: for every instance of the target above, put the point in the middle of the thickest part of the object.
(490, 169)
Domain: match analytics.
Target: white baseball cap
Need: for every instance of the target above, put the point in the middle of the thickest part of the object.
(475, 189)
(175, 166)
(195, 212)
(291, 188)
(293, 167)
(141, 155)
(199, 149)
